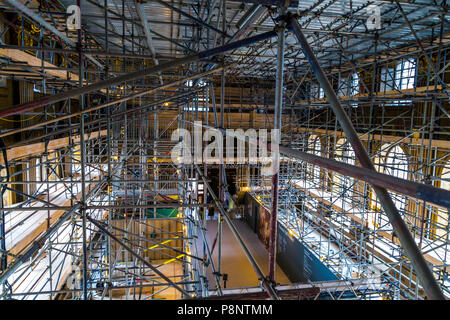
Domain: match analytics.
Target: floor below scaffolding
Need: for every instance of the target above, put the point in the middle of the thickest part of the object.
(234, 262)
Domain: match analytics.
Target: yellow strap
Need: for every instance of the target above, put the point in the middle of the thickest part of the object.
(157, 245)
(171, 260)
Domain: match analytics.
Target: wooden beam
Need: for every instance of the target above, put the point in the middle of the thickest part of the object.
(441, 144)
(356, 219)
(38, 227)
(38, 148)
(23, 57)
(419, 91)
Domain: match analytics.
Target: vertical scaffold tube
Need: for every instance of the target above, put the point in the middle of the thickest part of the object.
(421, 267)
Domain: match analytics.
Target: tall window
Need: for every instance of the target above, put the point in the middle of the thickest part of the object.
(402, 77)
(76, 166)
(344, 153)
(314, 147)
(342, 87)
(7, 196)
(405, 74)
(316, 92)
(349, 86)
(354, 87)
(397, 166)
(441, 215)
(376, 216)
(348, 156)
(40, 176)
(387, 79)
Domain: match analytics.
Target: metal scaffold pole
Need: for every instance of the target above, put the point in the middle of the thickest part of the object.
(267, 285)
(135, 75)
(355, 178)
(276, 158)
(83, 173)
(423, 270)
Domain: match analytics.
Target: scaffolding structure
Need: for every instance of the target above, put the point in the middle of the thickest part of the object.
(94, 207)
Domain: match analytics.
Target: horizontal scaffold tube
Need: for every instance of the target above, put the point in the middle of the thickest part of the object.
(24, 107)
(438, 196)
(413, 252)
(266, 284)
(114, 102)
(137, 256)
(379, 180)
(39, 243)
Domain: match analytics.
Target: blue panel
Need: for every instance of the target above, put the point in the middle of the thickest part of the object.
(297, 262)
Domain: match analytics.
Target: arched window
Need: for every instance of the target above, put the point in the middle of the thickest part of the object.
(344, 153)
(314, 147)
(40, 172)
(377, 218)
(440, 214)
(349, 86)
(76, 166)
(7, 196)
(396, 164)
